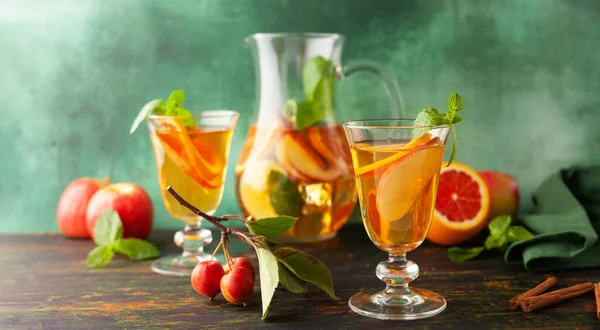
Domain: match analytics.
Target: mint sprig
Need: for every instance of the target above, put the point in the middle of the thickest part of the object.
(432, 117)
(173, 107)
(502, 234)
(108, 236)
(318, 80)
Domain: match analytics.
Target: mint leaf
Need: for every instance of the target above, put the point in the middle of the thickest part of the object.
(154, 107)
(308, 113)
(271, 226)
(184, 115)
(269, 277)
(307, 268)
(108, 228)
(500, 242)
(290, 281)
(432, 117)
(499, 225)
(314, 71)
(136, 249)
(324, 96)
(318, 78)
(176, 99)
(100, 256)
(458, 254)
(518, 233)
(427, 118)
(284, 195)
(455, 104)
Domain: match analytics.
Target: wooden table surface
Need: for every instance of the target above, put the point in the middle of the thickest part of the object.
(44, 283)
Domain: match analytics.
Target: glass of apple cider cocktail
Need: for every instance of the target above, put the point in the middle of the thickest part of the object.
(191, 156)
(397, 166)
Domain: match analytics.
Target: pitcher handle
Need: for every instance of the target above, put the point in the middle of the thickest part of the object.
(389, 82)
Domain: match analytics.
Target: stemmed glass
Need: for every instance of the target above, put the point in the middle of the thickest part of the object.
(397, 167)
(191, 156)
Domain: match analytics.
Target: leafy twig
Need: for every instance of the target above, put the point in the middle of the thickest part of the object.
(278, 264)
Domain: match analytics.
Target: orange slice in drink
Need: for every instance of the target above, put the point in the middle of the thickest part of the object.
(379, 166)
(461, 206)
(180, 148)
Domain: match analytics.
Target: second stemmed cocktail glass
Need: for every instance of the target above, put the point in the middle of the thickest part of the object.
(397, 167)
(193, 160)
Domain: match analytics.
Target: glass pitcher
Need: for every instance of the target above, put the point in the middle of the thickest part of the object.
(296, 160)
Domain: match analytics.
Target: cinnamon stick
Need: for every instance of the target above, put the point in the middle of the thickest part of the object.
(515, 302)
(530, 304)
(573, 288)
(597, 293)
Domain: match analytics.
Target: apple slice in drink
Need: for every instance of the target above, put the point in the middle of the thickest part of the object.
(302, 161)
(403, 181)
(330, 145)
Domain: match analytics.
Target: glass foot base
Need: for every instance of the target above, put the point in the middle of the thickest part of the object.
(178, 265)
(418, 305)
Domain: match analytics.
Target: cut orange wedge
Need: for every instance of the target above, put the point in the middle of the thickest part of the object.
(408, 150)
(183, 151)
(461, 206)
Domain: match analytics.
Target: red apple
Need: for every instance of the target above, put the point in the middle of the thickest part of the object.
(73, 203)
(504, 193)
(130, 201)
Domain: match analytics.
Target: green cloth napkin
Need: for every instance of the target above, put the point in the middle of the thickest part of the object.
(565, 221)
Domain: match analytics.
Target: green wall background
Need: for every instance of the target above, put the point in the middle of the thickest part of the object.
(73, 75)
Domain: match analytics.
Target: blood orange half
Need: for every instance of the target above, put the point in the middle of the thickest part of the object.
(461, 207)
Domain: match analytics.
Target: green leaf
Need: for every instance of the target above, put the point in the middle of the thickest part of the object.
(427, 118)
(271, 226)
(269, 277)
(100, 256)
(273, 245)
(290, 281)
(184, 115)
(136, 249)
(500, 242)
(176, 99)
(308, 113)
(457, 119)
(324, 96)
(108, 228)
(154, 107)
(314, 71)
(284, 195)
(455, 103)
(518, 233)
(307, 268)
(499, 225)
(458, 254)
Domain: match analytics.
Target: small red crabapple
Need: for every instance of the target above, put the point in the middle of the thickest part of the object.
(237, 285)
(206, 278)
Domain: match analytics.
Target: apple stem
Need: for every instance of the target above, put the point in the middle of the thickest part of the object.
(216, 221)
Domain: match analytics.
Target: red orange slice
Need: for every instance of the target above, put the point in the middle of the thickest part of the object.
(461, 206)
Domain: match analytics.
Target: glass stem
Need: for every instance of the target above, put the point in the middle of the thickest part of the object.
(397, 273)
(193, 239)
